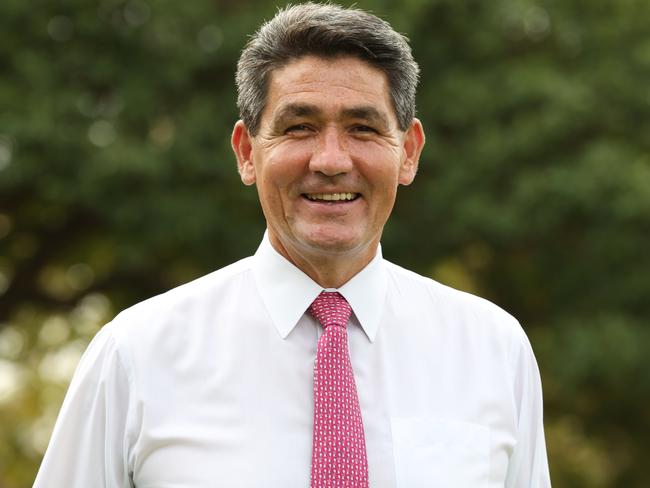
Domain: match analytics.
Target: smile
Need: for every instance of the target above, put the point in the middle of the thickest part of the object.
(328, 197)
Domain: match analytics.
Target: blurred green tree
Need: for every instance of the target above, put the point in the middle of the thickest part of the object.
(117, 182)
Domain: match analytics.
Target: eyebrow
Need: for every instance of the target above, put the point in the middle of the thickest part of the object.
(363, 112)
(368, 113)
(294, 110)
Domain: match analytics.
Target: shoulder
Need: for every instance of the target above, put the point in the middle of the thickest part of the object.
(470, 325)
(180, 306)
(449, 305)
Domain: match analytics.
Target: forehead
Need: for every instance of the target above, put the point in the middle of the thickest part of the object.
(333, 85)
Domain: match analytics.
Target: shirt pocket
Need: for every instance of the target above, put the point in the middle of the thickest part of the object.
(439, 453)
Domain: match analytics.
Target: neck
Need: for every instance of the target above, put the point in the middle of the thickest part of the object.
(328, 269)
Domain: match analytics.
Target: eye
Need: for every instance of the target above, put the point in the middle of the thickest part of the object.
(364, 129)
(298, 128)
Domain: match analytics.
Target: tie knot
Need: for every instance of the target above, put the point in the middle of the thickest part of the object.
(330, 308)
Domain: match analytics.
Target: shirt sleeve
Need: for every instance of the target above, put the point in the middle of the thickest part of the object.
(528, 466)
(89, 444)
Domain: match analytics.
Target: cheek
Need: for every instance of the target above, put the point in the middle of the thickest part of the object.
(271, 202)
(382, 178)
(377, 162)
(284, 167)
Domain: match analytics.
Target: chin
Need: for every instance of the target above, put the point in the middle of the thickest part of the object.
(335, 244)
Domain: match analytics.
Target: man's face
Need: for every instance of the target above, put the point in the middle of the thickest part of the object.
(328, 157)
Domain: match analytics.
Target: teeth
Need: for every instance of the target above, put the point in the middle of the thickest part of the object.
(331, 196)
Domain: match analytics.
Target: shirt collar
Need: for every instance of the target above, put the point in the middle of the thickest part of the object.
(287, 292)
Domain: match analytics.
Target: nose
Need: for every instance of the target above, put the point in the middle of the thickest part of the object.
(331, 156)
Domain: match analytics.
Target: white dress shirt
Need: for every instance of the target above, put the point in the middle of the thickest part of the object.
(210, 385)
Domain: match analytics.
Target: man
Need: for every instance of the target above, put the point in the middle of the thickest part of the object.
(315, 360)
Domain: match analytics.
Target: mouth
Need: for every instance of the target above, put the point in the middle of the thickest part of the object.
(331, 197)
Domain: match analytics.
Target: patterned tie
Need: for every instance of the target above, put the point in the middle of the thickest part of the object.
(339, 446)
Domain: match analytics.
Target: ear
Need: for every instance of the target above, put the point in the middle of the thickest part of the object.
(412, 148)
(242, 145)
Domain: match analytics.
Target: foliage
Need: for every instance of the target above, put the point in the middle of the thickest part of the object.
(117, 182)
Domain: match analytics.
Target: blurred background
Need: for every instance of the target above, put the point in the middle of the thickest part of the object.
(117, 182)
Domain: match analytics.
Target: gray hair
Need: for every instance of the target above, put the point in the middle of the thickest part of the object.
(326, 31)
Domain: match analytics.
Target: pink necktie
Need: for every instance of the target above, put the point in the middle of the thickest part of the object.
(339, 446)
